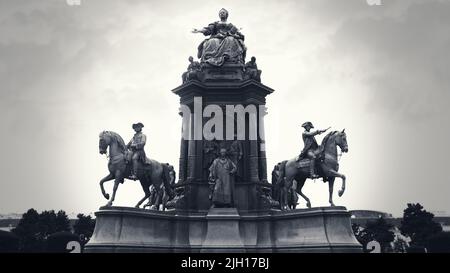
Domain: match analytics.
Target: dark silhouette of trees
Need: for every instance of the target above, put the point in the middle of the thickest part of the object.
(378, 230)
(34, 228)
(59, 242)
(418, 225)
(9, 242)
(84, 226)
(28, 231)
(439, 243)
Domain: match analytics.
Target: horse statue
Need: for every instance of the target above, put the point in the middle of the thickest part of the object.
(287, 196)
(292, 174)
(159, 197)
(149, 173)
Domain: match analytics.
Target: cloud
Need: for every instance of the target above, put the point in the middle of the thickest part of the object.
(404, 58)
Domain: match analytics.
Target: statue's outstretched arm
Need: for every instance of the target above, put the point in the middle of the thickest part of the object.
(311, 134)
(206, 30)
(197, 30)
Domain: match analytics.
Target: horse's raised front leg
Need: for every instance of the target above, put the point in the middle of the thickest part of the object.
(336, 174)
(330, 189)
(117, 181)
(109, 177)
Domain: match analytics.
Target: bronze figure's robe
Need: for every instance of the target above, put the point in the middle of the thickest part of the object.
(225, 42)
(221, 171)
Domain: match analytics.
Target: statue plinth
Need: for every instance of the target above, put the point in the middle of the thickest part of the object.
(222, 232)
(195, 157)
(322, 229)
(228, 72)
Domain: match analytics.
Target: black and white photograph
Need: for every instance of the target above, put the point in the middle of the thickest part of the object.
(220, 133)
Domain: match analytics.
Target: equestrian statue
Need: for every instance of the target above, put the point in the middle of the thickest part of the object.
(315, 161)
(130, 162)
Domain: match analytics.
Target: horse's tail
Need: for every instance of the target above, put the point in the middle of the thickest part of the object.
(282, 173)
(166, 179)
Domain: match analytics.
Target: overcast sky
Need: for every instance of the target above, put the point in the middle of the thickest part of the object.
(69, 72)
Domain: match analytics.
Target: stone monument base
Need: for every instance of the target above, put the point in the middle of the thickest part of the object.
(321, 229)
(222, 231)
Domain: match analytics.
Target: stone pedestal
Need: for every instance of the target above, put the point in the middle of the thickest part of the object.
(195, 159)
(222, 231)
(229, 72)
(323, 229)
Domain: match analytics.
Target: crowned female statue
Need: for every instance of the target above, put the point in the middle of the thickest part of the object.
(225, 43)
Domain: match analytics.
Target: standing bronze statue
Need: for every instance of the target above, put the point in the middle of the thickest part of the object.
(211, 149)
(221, 176)
(147, 171)
(310, 148)
(299, 170)
(226, 42)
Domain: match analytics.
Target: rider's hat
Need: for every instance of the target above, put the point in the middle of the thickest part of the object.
(139, 124)
(308, 123)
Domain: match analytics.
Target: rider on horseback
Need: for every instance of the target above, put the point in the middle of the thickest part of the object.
(310, 146)
(136, 146)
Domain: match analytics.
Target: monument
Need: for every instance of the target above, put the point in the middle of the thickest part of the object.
(222, 200)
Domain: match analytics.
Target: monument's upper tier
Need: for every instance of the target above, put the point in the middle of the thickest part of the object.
(222, 54)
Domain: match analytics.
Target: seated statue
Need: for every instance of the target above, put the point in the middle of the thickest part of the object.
(252, 71)
(225, 43)
(192, 71)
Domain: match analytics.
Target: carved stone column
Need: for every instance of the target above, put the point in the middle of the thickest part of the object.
(192, 156)
(262, 145)
(182, 172)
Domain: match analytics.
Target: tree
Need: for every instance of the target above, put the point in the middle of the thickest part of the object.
(358, 231)
(34, 228)
(9, 242)
(28, 232)
(400, 244)
(59, 242)
(378, 230)
(62, 222)
(84, 226)
(418, 225)
(439, 243)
